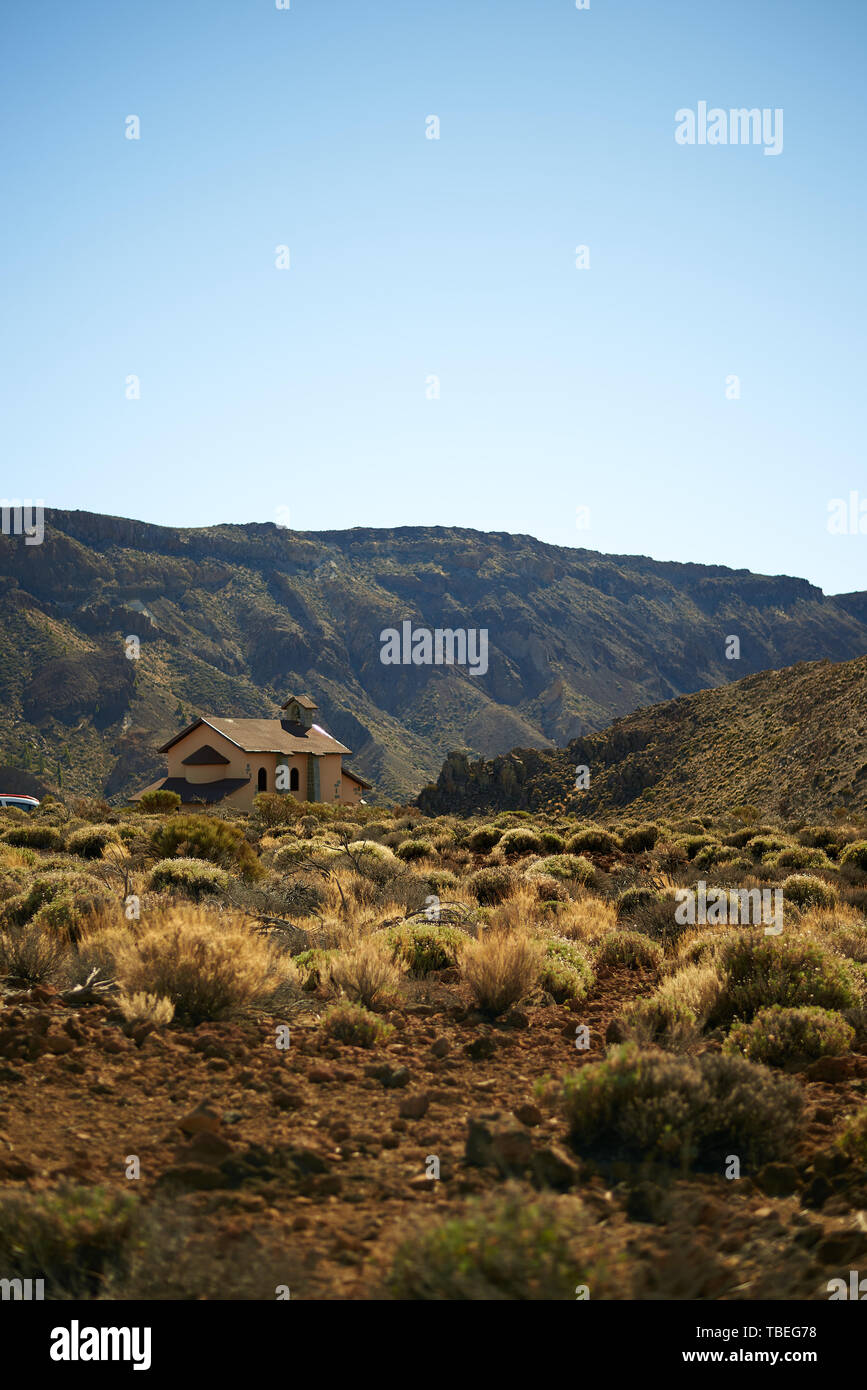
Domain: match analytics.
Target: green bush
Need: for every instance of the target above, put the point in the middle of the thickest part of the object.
(778, 1036)
(423, 949)
(852, 1142)
(34, 837)
(159, 803)
(552, 843)
(566, 867)
(86, 890)
(855, 854)
(353, 1024)
(506, 1249)
(759, 971)
(682, 1110)
(492, 885)
(484, 838)
(824, 837)
(203, 837)
(631, 948)
(797, 857)
(72, 1237)
(640, 837)
(90, 840)
(632, 899)
(521, 840)
(414, 849)
(566, 972)
(760, 845)
(593, 840)
(805, 890)
(313, 967)
(191, 878)
(714, 853)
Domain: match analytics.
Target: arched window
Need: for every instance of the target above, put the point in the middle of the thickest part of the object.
(293, 779)
(263, 779)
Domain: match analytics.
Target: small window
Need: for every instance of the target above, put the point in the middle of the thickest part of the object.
(293, 779)
(263, 779)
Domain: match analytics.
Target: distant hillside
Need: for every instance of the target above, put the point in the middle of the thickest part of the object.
(791, 741)
(231, 618)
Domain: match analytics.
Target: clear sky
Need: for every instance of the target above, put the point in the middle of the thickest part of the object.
(264, 389)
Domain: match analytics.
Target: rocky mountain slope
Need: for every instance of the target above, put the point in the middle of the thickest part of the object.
(792, 742)
(229, 619)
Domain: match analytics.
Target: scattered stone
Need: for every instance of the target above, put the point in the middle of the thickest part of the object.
(414, 1107)
(515, 1018)
(529, 1115)
(202, 1119)
(191, 1177)
(320, 1075)
(440, 1047)
(553, 1167)
(778, 1179)
(481, 1049)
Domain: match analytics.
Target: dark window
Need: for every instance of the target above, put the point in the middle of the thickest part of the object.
(263, 779)
(293, 779)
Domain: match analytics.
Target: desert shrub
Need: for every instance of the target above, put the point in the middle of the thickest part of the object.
(549, 891)
(492, 885)
(852, 1141)
(849, 941)
(681, 1110)
(313, 966)
(505, 1248)
(31, 956)
(760, 845)
(714, 853)
(366, 974)
(640, 837)
(566, 972)
(738, 838)
(572, 867)
(779, 1036)
(520, 840)
(34, 836)
(804, 890)
(159, 803)
(146, 1008)
(499, 970)
(414, 849)
(759, 971)
(631, 899)
(63, 916)
(275, 808)
(826, 837)
(691, 844)
(88, 893)
(629, 948)
(855, 854)
(204, 837)
(72, 1237)
(797, 857)
(425, 948)
(89, 841)
(209, 967)
(676, 1013)
(441, 881)
(191, 878)
(552, 843)
(593, 839)
(353, 1024)
(484, 838)
(656, 919)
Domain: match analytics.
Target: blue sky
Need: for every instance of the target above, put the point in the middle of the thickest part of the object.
(305, 389)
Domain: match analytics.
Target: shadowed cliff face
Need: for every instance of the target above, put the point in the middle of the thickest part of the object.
(228, 619)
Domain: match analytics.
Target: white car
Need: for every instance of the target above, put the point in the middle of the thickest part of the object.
(25, 803)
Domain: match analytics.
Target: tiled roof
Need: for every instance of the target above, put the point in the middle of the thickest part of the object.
(205, 756)
(192, 792)
(266, 736)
